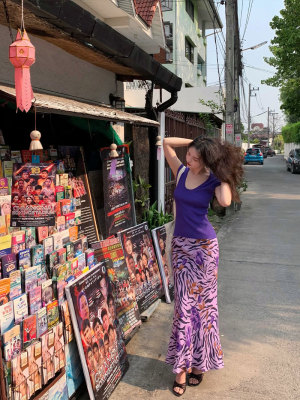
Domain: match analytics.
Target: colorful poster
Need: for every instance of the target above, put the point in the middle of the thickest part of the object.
(118, 193)
(127, 312)
(101, 347)
(33, 195)
(164, 261)
(142, 264)
(74, 163)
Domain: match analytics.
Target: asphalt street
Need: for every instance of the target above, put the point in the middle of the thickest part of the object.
(259, 282)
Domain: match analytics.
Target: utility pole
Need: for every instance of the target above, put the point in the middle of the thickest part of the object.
(249, 112)
(269, 113)
(229, 70)
(273, 135)
(268, 126)
(237, 74)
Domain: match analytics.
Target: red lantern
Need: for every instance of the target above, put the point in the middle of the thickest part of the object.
(22, 56)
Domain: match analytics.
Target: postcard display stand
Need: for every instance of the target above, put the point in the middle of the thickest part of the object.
(47, 219)
(50, 343)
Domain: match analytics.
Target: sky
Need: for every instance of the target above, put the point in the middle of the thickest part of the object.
(256, 69)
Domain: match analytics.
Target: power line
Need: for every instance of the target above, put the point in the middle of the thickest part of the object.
(259, 69)
(248, 17)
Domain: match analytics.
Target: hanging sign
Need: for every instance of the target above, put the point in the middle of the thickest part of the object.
(74, 164)
(118, 193)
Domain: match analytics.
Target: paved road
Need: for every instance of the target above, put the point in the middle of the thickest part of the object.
(259, 286)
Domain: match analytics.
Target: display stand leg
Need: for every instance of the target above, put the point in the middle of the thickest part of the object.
(147, 314)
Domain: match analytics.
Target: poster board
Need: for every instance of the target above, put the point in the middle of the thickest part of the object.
(101, 349)
(142, 264)
(74, 164)
(33, 195)
(118, 192)
(164, 261)
(127, 312)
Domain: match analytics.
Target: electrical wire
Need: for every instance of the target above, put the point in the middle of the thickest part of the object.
(259, 69)
(241, 15)
(248, 17)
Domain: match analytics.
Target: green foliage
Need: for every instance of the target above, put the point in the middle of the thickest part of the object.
(156, 218)
(141, 191)
(278, 143)
(146, 212)
(291, 133)
(243, 186)
(286, 58)
(206, 117)
(255, 141)
(290, 98)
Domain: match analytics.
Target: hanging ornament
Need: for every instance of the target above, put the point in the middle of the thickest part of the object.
(22, 56)
(35, 136)
(35, 143)
(113, 151)
(158, 145)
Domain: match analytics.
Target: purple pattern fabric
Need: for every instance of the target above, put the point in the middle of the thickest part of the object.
(195, 340)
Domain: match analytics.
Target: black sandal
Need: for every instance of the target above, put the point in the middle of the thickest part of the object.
(197, 377)
(180, 386)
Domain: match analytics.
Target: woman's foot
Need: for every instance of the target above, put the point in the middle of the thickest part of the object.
(195, 377)
(179, 385)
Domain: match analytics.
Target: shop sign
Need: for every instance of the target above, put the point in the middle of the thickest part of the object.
(33, 195)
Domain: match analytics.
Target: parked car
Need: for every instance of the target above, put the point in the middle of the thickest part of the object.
(293, 161)
(254, 155)
(270, 151)
(261, 148)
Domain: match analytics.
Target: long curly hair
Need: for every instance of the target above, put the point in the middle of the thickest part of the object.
(223, 159)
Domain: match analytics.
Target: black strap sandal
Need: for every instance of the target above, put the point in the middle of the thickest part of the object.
(180, 386)
(197, 377)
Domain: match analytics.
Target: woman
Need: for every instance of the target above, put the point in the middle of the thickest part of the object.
(213, 168)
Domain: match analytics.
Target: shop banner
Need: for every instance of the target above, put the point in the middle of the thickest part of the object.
(33, 195)
(101, 347)
(164, 261)
(142, 264)
(118, 193)
(127, 312)
(74, 164)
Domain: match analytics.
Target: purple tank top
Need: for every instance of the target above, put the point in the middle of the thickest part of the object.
(192, 206)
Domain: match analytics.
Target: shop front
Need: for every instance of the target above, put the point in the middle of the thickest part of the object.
(76, 271)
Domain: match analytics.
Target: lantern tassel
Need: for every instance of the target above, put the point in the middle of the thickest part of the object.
(24, 93)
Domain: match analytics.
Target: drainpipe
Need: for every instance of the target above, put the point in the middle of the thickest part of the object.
(161, 162)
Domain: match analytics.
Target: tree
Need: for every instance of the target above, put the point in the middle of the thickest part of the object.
(286, 58)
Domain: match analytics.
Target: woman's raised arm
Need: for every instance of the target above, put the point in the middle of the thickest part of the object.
(169, 144)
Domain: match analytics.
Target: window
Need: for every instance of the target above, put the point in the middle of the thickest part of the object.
(169, 41)
(166, 5)
(189, 50)
(200, 66)
(168, 29)
(189, 7)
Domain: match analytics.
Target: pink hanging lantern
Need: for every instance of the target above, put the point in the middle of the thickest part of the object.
(22, 56)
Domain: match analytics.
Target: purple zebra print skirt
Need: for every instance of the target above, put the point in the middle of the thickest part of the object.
(195, 339)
